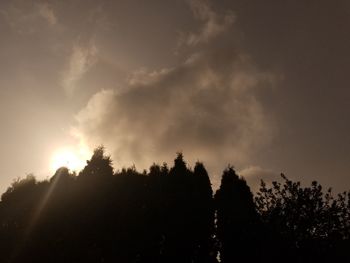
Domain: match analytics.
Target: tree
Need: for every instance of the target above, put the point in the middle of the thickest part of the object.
(99, 165)
(309, 222)
(203, 213)
(237, 220)
(179, 168)
(177, 245)
(169, 215)
(62, 176)
(20, 187)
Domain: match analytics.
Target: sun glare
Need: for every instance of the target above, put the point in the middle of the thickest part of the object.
(68, 158)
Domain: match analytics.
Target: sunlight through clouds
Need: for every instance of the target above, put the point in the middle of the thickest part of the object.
(140, 76)
(73, 158)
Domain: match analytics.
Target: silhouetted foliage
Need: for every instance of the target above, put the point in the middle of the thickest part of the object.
(99, 165)
(306, 223)
(168, 215)
(237, 219)
(204, 216)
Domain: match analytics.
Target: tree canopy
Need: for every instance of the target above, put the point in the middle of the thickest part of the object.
(169, 214)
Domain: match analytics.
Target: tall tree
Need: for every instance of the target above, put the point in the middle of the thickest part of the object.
(203, 214)
(236, 219)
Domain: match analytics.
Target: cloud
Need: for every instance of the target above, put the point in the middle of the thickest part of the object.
(254, 174)
(213, 24)
(144, 77)
(81, 59)
(205, 107)
(47, 13)
(28, 19)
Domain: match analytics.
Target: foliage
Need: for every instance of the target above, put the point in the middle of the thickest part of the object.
(168, 214)
(305, 217)
(236, 218)
(98, 165)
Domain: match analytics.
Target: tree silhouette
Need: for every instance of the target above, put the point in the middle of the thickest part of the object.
(98, 165)
(169, 215)
(236, 219)
(203, 215)
(307, 222)
(178, 240)
(179, 169)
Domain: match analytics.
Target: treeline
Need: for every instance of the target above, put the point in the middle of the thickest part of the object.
(169, 215)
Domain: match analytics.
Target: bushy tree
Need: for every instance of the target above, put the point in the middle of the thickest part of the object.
(307, 221)
(169, 215)
(20, 186)
(99, 165)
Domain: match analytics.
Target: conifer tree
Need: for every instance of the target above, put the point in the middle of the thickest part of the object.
(236, 218)
(203, 212)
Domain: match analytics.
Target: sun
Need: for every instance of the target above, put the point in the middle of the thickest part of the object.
(68, 158)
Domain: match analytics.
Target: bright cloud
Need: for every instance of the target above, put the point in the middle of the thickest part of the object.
(198, 108)
(82, 58)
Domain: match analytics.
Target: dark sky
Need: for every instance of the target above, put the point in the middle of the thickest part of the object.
(262, 85)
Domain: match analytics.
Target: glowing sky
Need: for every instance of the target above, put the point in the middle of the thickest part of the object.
(263, 85)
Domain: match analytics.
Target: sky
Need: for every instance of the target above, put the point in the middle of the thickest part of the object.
(260, 85)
